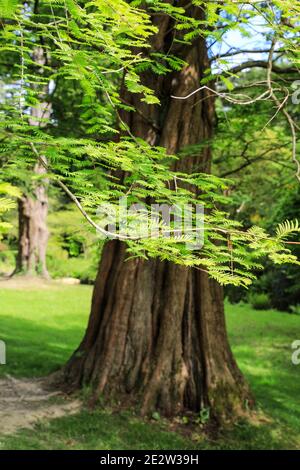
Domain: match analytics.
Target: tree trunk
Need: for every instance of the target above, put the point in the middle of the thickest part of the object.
(156, 335)
(33, 208)
(33, 232)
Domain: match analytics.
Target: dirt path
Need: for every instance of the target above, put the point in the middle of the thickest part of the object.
(24, 402)
(32, 283)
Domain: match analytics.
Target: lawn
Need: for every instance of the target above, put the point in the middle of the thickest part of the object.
(42, 326)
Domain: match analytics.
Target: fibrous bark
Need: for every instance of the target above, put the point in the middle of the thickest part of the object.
(156, 335)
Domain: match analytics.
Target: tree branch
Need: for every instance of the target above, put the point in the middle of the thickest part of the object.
(76, 201)
(262, 64)
(241, 51)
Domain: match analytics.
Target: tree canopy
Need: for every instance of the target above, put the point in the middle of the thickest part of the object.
(74, 57)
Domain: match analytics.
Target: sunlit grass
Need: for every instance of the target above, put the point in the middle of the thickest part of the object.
(42, 326)
(261, 341)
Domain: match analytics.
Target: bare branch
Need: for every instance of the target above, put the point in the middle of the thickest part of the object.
(241, 51)
(284, 111)
(263, 64)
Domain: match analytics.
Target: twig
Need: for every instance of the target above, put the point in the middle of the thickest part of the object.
(76, 201)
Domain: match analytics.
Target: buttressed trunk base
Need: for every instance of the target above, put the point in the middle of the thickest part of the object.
(157, 338)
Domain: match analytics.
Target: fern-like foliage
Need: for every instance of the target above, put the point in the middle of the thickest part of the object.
(8, 195)
(84, 51)
(287, 228)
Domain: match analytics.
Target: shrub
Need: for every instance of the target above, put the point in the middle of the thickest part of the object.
(282, 285)
(235, 294)
(79, 268)
(295, 309)
(73, 251)
(260, 301)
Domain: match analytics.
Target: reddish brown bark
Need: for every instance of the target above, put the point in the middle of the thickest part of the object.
(156, 335)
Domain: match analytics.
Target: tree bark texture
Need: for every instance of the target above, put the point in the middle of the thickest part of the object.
(156, 336)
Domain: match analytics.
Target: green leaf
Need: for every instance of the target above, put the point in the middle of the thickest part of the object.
(8, 8)
(151, 99)
(229, 85)
(287, 228)
(7, 188)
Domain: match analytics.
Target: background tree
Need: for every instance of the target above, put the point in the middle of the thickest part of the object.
(263, 188)
(33, 203)
(33, 208)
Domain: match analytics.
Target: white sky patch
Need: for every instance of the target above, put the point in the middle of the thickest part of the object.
(235, 40)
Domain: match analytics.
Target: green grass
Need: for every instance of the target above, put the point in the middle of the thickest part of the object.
(261, 342)
(43, 326)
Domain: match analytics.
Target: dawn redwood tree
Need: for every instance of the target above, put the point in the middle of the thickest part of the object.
(157, 332)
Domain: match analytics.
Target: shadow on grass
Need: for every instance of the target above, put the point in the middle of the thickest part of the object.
(34, 349)
(275, 383)
(103, 430)
(43, 332)
(42, 326)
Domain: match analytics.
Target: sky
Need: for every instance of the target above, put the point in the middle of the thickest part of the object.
(234, 40)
